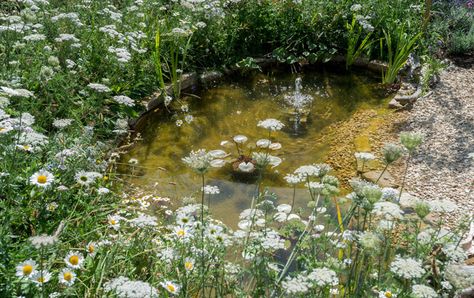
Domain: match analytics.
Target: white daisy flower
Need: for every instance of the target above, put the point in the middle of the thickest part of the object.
(91, 249)
(189, 264)
(182, 232)
(26, 268)
(114, 221)
(67, 277)
(103, 190)
(171, 287)
(87, 178)
(42, 178)
(40, 277)
(74, 259)
(25, 147)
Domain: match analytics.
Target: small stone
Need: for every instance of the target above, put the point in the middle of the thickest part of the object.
(386, 180)
(394, 104)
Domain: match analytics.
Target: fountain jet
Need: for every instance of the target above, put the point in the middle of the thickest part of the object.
(299, 107)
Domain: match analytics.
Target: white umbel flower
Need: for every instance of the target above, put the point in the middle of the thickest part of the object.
(126, 288)
(246, 167)
(422, 291)
(271, 124)
(99, 87)
(387, 210)
(295, 285)
(364, 156)
(323, 277)
(62, 123)
(124, 100)
(240, 139)
(211, 190)
(407, 268)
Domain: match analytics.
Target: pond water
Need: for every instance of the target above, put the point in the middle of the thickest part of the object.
(234, 108)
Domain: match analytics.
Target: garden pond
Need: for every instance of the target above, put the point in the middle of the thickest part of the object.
(308, 103)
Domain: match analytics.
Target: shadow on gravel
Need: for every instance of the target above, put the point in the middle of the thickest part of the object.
(455, 157)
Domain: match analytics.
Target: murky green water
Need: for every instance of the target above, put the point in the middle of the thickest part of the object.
(235, 108)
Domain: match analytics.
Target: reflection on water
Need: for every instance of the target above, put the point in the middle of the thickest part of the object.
(235, 108)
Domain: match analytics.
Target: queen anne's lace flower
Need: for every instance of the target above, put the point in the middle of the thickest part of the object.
(388, 210)
(126, 288)
(296, 285)
(422, 291)
(125, 100)
(407, 268)
(323, 277)
(271, 124)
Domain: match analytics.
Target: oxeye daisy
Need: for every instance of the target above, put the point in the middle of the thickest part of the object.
(91, 249)
(26, 268)
(170, 287)
(181, 232)
(189, 264)
(74, 259)
(40, 277)
(67, 277)
(25, 147)
(42, 178)
(114, 221)
(86, 178)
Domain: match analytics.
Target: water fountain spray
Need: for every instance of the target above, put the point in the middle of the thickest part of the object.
(299, 104)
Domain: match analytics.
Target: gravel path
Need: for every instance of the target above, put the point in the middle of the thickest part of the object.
(442, 169)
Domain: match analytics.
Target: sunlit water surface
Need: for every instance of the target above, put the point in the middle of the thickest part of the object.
(235, 108)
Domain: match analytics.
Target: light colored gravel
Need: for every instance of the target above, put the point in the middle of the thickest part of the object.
(442, 168)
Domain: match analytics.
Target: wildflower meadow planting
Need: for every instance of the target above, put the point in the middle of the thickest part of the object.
(235, 148)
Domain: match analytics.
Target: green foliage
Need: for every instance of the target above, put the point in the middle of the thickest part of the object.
(399, 46)
(462, 42)
(354, 47)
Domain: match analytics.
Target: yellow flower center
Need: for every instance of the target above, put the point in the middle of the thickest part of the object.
(2, 129)
(74, 260)
(42, 179)
(27, 269)
(181, 233)
(40, 279)
(188, 265)
(388, 294)
(26, 147)
(113, 222)
(91, 248)
(171, 288)
(67, 276)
